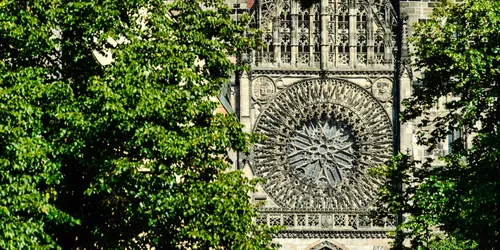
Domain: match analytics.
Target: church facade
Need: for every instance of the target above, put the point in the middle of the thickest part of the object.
(322, 92)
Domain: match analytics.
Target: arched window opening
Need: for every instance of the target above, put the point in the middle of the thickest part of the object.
(268, 53)
(303, 35)
(356, 33)
(343, 34)
(361, 28)
(316, 33)
(285, 33)
(379, 48)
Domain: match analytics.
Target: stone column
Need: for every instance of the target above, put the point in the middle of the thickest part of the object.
(325, 19)
(370, 41)
(388, 53)
(311, 35)
(294, 28)
(245, 92)
(406, 129)
(276, 41)
(336, 35)
(259, 53)
(352, 33)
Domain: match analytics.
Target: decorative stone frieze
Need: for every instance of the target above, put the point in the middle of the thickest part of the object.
(353, 221)
(324, 73)
(329, 234)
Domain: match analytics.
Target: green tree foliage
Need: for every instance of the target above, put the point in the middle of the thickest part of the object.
(458, 51)
(126, 154)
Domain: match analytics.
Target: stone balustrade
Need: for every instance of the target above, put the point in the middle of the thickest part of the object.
(344, 224)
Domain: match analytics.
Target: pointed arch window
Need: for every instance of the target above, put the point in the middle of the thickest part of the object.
(285, 32)
(268, 53)
(316, 35)
(358, 33)
(303, 36)
(379, 47)
(361, 35)
(343, 34)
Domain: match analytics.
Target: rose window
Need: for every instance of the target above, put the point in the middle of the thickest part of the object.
(322, 136)
(322, 152)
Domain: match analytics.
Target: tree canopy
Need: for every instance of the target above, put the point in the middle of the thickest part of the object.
(458, 52)
(127, 154)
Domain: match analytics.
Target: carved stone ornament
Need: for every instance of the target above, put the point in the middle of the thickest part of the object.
(382, 89)
(331, 234)
(326, 245)
(263, 88)
(322, 137)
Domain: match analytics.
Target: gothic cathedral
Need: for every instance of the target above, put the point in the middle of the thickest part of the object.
(321, 91)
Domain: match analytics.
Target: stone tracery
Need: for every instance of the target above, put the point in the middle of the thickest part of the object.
(322, 136)
(357, 33)
(326, 245)
(342, 37)
(361, 34)
(322, 152)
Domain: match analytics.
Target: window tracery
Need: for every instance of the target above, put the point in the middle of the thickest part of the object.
(268, 53)
(285, 33)
(303, 36)
(381, 24)
(332, 27)
(361, 35)
(322, 137)
(343, 34)
(358, 33)
(316, 33)
(379, 47)
(265, 16)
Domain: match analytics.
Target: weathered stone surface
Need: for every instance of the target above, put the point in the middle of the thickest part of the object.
(321, 90)
(322, 137)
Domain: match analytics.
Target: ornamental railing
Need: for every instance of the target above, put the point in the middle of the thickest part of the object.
(324, 220)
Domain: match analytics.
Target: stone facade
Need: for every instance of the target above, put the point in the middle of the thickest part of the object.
(322, 93)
